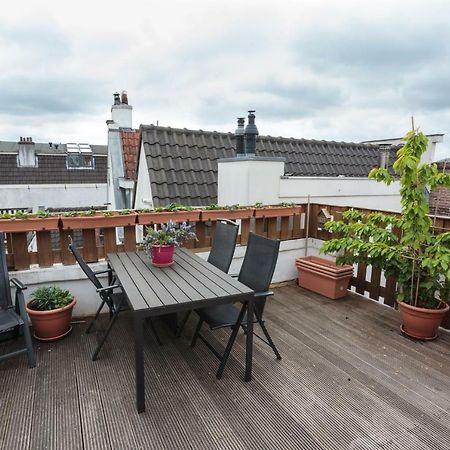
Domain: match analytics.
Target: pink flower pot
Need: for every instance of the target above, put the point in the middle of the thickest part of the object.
(162, 255)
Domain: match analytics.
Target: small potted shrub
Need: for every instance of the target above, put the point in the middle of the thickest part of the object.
(50, 311)
(160, 244)
(406, 247)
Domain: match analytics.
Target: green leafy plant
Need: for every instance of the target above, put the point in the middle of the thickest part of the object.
(42, 214)
(50, 297)
(108, 213)
(405, 245)
(287, 204)
(258, 205)
(21, 215)
(5, 216)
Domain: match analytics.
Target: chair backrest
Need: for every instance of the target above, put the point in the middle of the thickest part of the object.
(224, 244)
(84, 267)
(5, 288)
(259, 265)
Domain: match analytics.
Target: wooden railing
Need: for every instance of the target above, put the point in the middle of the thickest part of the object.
(97, 241)
(44, 243)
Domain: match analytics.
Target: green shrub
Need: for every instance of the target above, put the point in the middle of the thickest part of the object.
(50, 297)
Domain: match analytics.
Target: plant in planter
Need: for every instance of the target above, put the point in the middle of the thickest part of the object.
(281, 210)
(406, 246)
(50, 311)
(98, 219)
(160, 243)
(174, 212)
(231, 212)
(23, 221)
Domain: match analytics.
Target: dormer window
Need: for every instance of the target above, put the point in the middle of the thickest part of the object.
(79, 156)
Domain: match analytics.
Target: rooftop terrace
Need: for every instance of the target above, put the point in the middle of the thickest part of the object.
(348, 380)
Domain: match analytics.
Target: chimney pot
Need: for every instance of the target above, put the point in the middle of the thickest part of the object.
(251, 131)
(239, 134)
(116, 98)
(124, 97)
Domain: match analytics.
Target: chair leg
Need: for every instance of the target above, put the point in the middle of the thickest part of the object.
(267, 335)
(29, 344)
(230, 343)
(88, 329)
(197, 332)
(155, 332)
(105, 335)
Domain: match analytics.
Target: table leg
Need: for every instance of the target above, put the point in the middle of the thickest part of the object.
(249, 341)
(139, 362)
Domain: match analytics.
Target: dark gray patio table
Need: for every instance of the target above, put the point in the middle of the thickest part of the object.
(189, 283)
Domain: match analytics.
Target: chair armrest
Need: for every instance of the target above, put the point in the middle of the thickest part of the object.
(97, 272)
(263, 294)
(234, 275)
(108, 288)
(19, 285)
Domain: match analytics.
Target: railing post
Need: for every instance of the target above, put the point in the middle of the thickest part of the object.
(90, 245)
(20, 251)
(44, 248)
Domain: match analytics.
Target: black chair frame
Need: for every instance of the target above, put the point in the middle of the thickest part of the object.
(115, 302)
(220, 255)
(14, 315)
(238, 322)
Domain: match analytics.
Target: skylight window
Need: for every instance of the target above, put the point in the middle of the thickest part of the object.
(79, 156)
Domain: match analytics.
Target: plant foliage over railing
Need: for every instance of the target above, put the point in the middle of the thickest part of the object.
(404, 247)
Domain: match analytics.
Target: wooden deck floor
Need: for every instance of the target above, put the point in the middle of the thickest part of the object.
(348, 380)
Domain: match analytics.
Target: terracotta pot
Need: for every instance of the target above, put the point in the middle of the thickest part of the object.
(323, 276)
(230, 214)
(162, 255)
(53, 324)
(421, 323)
(277, 211)
(32, 224)
(98, 221)
(166, 216)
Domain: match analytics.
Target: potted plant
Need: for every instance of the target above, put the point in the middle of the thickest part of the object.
(281, 210)
(23, 222)
(160, 243)
(406, 246)
(78, 220)
(50, 312)
(173, 212)
(231, 212)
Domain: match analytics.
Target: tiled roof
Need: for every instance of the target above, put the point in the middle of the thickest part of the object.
(183, 163)
(130, 149)
(51, 167)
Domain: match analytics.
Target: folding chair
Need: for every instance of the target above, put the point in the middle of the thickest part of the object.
(256, 272)
(221, 253)
(13, 316)
(115, 301)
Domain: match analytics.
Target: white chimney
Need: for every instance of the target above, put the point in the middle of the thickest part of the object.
(27, 153)
(121, 112)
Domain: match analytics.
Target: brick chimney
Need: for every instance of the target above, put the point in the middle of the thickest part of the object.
(27, 153)
(121, 112)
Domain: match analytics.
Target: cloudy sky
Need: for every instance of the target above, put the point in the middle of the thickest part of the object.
(344, 69)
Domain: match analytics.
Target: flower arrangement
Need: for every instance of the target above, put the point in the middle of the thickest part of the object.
(169, 234)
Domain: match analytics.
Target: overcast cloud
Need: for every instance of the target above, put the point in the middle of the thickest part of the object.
(323, 69)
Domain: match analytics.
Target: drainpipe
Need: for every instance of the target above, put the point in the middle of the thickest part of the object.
(307, 225)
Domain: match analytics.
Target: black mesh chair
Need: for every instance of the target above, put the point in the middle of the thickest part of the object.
(111, 296)
(221, 253)
(13, 316)
(256, 273)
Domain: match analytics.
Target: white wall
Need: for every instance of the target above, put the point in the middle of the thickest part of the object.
(249, 180)
(52, 195)
(143, 197)
(356, 192)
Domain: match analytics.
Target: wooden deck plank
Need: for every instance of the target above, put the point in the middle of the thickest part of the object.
(347, 380)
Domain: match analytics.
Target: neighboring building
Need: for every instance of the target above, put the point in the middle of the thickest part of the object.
(52, 176)
(440, 197)
(123, 148)
(427, 158)
(180, 165)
